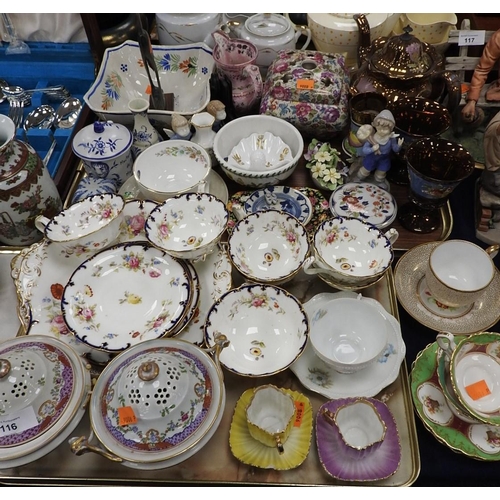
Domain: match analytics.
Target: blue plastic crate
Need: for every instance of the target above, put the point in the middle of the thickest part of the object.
(68, 64)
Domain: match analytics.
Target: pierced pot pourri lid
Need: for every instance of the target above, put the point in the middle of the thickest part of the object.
(43, 388)
(157, 400)
(405, 57)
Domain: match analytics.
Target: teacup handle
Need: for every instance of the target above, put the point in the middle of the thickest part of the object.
(203, 187)
(41, 223)
(492, 251)
(446, 341)
(392, 235)
(319, 269)
(279, 445)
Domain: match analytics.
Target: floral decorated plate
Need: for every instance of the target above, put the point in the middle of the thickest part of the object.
(126, 294)
(365, 201)
(184, 71)
(250, 451)
(260, 153)
(214, 274)
(134, 218)
(319, 203)
(380, 464)
(476, 440)
(216, 186)
(283, 198)
(319, 377)
(266, 326)
(412, 293)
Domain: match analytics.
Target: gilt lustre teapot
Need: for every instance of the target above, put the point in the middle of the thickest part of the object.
(402, 66)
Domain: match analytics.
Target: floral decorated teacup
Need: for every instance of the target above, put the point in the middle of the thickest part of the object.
(187, 226)
(269, 246)
(350, 253)
(87, 226)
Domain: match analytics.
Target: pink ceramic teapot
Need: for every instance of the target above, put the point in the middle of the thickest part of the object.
(236, 58)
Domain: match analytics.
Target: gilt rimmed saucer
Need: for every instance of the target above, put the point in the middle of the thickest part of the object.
(377, 465)
(283, 198)
(317, 376)
(249, 451)
(364, 201)
(476, 440)
(217, 187)
(408, 274)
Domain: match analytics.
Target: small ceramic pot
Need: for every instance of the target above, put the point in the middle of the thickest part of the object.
(143, 133)
(85, 227)
(270, 416)
(105, 149)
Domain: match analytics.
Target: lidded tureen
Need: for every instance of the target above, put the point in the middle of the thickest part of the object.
(156, 404)
(44, 386)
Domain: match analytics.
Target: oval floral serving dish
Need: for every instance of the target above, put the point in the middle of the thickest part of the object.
(126, 294)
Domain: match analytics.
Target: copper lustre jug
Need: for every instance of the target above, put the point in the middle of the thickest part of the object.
(402, 66)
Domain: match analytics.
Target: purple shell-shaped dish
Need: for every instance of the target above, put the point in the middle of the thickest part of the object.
(380, 464)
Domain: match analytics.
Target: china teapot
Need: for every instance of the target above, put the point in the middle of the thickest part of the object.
(402, 66)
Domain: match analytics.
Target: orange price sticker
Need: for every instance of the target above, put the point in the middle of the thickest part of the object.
(126, 416)
(305, 84)
(478, 390)
(299, 413)
(148, 90)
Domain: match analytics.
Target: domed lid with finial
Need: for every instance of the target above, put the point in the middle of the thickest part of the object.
(405, 57)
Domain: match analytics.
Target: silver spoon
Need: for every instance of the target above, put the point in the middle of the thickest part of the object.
(67, 113)
(42, 117)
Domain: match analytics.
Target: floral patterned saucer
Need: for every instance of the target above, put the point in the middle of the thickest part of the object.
(476, 440)
(319, 377)
(126, 294)
(135, 214)
(252, 452)
(412, 293)
(364, 201)
(319, 203)
(380, 464)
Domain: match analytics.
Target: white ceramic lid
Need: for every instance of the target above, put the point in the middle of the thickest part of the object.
(102, 141)
(43, 386)
(267, 25)
(174, 390)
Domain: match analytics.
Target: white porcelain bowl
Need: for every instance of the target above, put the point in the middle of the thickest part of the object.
(86, 226)
(269, 246)
(239, 129)
(350, 252)
(266, 326)
(173, 167)
(188, 226)
(184, 71)
(349, 334)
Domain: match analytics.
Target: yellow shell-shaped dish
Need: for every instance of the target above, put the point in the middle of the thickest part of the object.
(252, 452)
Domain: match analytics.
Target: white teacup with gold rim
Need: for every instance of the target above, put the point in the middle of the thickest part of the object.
(86, 226)
(459, 272)
(270, 416)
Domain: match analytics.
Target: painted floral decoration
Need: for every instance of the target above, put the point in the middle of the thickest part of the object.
(327, 169)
